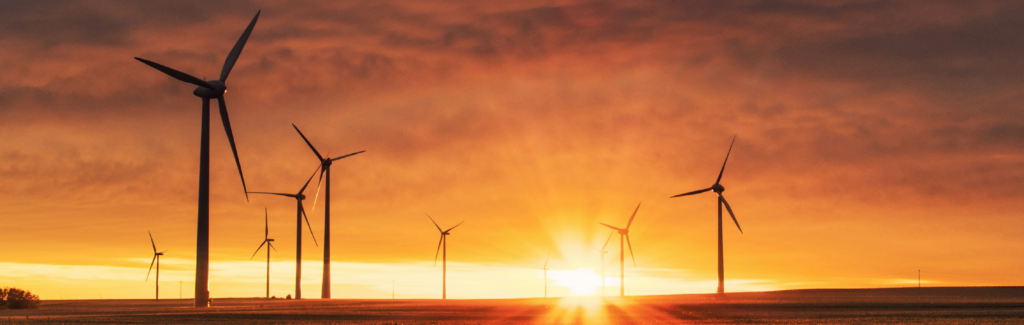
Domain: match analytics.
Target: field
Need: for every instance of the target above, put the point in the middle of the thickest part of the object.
(987, 305)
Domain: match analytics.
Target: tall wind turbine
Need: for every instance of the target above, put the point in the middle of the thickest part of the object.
(325, 167)
(718, 188)
(443, 242)
(270, 245)
(603, 251)
(207, 90)
(156, 259)
(546, 274)
(300, 213)
(624, 236)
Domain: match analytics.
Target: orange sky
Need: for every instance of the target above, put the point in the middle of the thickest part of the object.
(874, 138)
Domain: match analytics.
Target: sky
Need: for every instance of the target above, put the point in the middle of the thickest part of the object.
(873, 139)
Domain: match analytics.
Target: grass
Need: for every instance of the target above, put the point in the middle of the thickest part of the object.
(981, 305)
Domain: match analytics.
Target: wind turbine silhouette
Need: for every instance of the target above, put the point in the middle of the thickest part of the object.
(156, 259)
(624, 234)
(325, 167)
(300, 213)
(443, 242)
(546, 274)
(270, 245)
(603, 251)
(207, 90)
(718, 188)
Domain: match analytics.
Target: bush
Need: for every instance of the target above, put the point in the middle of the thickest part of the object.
(15, 298)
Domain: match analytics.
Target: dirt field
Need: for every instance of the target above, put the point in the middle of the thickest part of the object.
(1002, 305)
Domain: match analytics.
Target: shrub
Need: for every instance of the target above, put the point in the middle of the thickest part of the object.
(15, 298)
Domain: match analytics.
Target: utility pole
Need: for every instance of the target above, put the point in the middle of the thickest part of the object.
(919, 279)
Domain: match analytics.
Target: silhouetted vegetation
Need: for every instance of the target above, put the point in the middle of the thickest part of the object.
(15, 298)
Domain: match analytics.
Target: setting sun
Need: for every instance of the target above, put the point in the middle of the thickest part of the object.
(580, 282)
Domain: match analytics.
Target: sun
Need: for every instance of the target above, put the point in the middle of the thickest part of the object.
(581, 282)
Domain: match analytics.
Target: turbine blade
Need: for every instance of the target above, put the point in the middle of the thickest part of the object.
(258, 249)
(547, 259)
(729, 208)
(303, 189)
(150, 267)
(318, 156)
(726, 160)
(307, 224)
(450, 229)
(692, 193)
(318, 182)
(438, 249)
(272, 193)
(237, 50)
(630, 250)
(607, 240)
(348, 155)
(609, 226)
(177, 74)
(231, 139)
(633, 216)
(435, 225)
(271, 245)
(151, 241)
(266, 224)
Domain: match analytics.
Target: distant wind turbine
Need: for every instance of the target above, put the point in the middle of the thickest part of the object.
(718, 188)
(270, 245)
(325, 167)
(156, 259)
(300, 213)
(603, 251)
(207, 90)
(624, 236)
(443, 243)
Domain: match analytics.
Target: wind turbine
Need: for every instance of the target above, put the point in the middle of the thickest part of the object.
(207, 90)
(300, 213)
(624, 234)
(603, 251)
(718, 188)
(546, 274)
(325, 167)
(443, 242)
(156, 259)
(270, 245)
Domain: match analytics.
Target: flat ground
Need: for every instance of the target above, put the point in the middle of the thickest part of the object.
(990, 305)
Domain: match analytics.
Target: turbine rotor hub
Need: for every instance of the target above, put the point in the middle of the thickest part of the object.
(301, 196)
(623, 232)
(327, 162)
(718, 188)
(218, 90)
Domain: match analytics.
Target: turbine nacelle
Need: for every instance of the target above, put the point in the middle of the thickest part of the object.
(218, 90)
(300, 197)
(718, 188)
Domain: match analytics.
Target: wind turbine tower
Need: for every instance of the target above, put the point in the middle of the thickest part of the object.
(300, 213)
(718, 189)
(270, 245)
(207, 90)
(624, 237)
(156, 259)
(442, 246)
(325, 167)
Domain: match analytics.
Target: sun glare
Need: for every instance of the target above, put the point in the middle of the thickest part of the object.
(581, 282)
